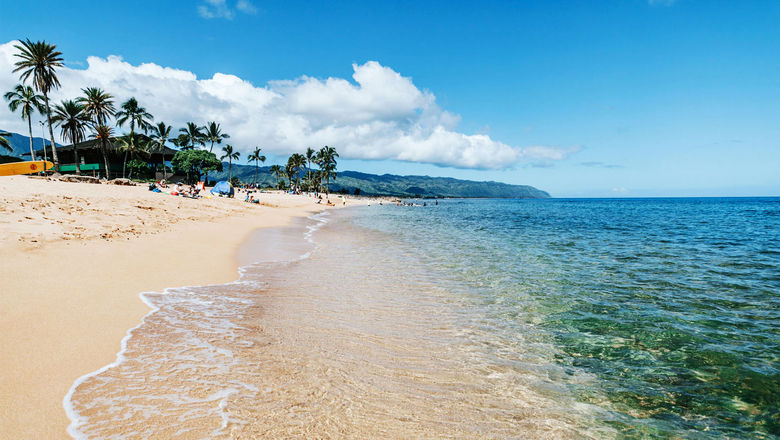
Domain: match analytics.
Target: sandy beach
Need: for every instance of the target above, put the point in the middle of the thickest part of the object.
(75, 257)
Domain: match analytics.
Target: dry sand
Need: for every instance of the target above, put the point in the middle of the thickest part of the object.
(73, 260)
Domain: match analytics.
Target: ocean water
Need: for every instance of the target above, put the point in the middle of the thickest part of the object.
(647, 318)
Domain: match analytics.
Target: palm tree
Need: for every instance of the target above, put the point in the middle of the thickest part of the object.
(39, 60)
(256, 157)
(73, 121)
(326, 159)
(138, 117)
(98, 104)
(4, 142)
(230, 154)
(277, 171)
(214, 134)
(104, 135)
(182, 142)
(194, 134)
(310, 156)
(160, 135)
(26, 100)
(294, 165)
(134, 149)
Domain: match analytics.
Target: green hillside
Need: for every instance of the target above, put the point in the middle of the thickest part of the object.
(401, 186)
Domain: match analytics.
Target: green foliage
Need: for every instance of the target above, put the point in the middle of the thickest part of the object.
(98, 105)
(136, 115)
(295, 165)
(39, 61)
(357, 191)
(326, 159)
(72, 119)
(191, 135)
(139, 168)
(25, 100)
(4, 142)
(213, 133)
(235, 181)
(193, 163)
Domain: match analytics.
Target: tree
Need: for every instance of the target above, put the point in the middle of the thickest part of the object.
(24, 99)
(256, 157)
(230, 154)
(137, 117)
(104, 135)
(160, 135)
(214, 134)
(4, 142)
(194, 134)
(277, 171)
(326, 159)
(73, 122)
(134, 149)
(310, 156)
(138, 167)
(294, 166)
(195, 162)
(39, 61)
(182, 142)
(98, 105)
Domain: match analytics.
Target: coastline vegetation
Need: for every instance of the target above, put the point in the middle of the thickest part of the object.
(93, 116)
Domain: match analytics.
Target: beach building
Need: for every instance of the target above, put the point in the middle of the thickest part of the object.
(91, 158)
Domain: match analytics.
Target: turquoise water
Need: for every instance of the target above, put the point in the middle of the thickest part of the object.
(671, 305)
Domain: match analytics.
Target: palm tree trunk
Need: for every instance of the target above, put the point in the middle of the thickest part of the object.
(75, 152)
(205, 172)
(54, 157)
(76, 157)
(230, 170)
(29, 126)
(163, 163)
(105, 159)
(255, 174)
(124, 166)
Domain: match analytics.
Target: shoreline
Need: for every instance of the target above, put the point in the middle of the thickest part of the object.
(68, 304)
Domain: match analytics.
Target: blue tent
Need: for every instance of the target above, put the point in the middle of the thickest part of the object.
(223, 187)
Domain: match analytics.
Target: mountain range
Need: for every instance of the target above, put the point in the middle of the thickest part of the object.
(20, 145)
(399, 186)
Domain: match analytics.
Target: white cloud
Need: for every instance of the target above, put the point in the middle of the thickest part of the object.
(246, 7)
(220, 9)
(379, 115)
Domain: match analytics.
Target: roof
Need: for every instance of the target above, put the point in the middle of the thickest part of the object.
(92, 144)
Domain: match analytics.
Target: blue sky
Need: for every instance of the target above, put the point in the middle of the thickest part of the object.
(580, 98)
